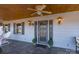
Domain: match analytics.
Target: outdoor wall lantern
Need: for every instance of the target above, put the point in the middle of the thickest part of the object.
(30, 22)
(60, 20)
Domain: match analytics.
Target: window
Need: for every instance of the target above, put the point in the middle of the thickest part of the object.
(50, 29)
(6, 28)
(19, 28)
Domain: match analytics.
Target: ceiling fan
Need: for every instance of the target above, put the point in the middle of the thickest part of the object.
(39, 10)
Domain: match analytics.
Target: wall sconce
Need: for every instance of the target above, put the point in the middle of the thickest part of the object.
(60, 20)
(30, 22)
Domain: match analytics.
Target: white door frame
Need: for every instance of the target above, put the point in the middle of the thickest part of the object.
(47, 32)
(37, 32)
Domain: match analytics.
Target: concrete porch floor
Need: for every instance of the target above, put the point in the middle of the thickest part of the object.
(19, 47)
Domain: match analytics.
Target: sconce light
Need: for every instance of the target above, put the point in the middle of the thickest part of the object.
(60, 20)
(30, 22)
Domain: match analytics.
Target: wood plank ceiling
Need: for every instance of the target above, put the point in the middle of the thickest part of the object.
(17, 11)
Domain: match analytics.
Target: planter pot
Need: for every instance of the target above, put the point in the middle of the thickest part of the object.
(0, 50)
(49, 46)
(34, 43)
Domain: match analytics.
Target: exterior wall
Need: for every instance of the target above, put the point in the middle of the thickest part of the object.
(63, 35)
(27, 36)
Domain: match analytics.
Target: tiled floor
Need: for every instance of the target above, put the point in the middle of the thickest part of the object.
(19, 47)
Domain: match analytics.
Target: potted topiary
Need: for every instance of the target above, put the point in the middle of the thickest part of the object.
(34, 41)
(50, 43)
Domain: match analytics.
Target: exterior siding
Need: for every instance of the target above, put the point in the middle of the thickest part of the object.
(63, 34)
(27, 36)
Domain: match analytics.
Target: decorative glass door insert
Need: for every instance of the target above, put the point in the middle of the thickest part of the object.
(42, 31)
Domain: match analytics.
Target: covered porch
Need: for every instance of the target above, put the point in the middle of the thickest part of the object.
(61, 26)
(20, 47)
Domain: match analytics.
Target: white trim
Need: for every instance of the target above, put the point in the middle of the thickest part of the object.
(48, 29)
(37, 32)
(47, 33)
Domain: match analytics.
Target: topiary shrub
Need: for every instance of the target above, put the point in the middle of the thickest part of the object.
(34, 41)
(50, 42)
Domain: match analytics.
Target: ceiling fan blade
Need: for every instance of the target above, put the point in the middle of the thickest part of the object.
(40, 7)
(31, 9)
(38, 13)
(47, 12)
(44, 6)
(33, 13)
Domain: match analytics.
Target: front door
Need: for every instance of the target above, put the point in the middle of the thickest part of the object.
(42, 32)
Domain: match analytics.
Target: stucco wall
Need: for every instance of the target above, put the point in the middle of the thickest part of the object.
(63, 35)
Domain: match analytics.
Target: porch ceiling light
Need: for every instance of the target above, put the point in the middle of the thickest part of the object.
(30, 22)
(60, 20)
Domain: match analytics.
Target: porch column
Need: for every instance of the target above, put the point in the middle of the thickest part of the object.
(48, 29)
(37, 32)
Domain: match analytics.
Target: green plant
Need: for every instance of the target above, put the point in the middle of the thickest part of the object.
(50, 42)
(34, 40)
